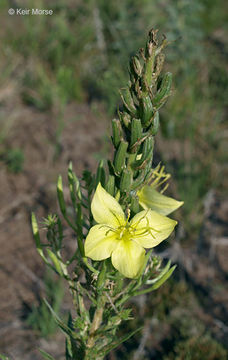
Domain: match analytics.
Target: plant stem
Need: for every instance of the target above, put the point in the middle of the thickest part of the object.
(97, 320)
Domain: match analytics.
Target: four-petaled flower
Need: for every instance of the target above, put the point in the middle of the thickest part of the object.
(123, 240)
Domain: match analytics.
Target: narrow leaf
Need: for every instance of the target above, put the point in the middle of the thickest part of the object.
(56, 262)
(45, 355)
(116, 343)
(36, 235)
(162, 273)
(60, 323)
(157, 284)
(61, 196)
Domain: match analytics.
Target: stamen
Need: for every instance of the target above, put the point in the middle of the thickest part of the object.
(109, 229)
(116, 217)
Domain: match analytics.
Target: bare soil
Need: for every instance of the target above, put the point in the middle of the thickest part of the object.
(34, 189)
(204, 265)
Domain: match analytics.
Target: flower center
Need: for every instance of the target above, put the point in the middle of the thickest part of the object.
(125, 232)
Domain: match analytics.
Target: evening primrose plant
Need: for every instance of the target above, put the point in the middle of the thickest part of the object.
(117, 216)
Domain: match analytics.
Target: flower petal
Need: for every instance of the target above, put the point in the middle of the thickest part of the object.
(149, 198)
(100, 242)
(128, 258)
(105, 208)
(151, 228)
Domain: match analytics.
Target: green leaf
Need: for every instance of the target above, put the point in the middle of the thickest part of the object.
(165, 277)
(162, 273)
(60, 323)
(106, 349)
(157, 284)
(3, 357)
(62, 203)
(36, 235)
(45, 355)
(56, 262)
(100, 176)
(61, 196)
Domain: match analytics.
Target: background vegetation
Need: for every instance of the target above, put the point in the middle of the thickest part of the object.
(79, 55)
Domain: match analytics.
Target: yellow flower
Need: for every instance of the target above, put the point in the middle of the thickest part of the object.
(149, 198)
(122, 240)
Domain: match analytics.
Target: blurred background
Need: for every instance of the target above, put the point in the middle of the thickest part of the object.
(59, 82)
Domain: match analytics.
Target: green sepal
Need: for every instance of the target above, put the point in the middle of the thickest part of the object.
(164, 90)
(117, 135)
(100, 176)
(125, 180)
(120, 156)
(136, 133)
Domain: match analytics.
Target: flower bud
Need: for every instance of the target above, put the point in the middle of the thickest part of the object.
(125, 180)
(136, 133)
(164, 90)
(119, 161)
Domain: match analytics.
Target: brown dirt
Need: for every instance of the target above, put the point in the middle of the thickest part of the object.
(205, 266)
(34, 190)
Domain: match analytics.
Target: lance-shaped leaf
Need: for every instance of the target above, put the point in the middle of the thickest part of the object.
(56, 262)
(46, 355)
(117, 342)
(36, 235)
(61, 324)
(157, 284)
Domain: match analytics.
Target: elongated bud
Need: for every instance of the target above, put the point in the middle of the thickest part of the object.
(116, 132)
(56, 262)
(74, 185)
(125, 180)
(102, 277)
(155, 124)
(110, 185)
(136, 66)
(164, 90)
(146, 110)
(128, 101)
(134, 204)
(125, 118)
(136, 133)
(147, 151)
(61, 200)
(119, 161)
(100, 176)
(138, 180)
(151, 43)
